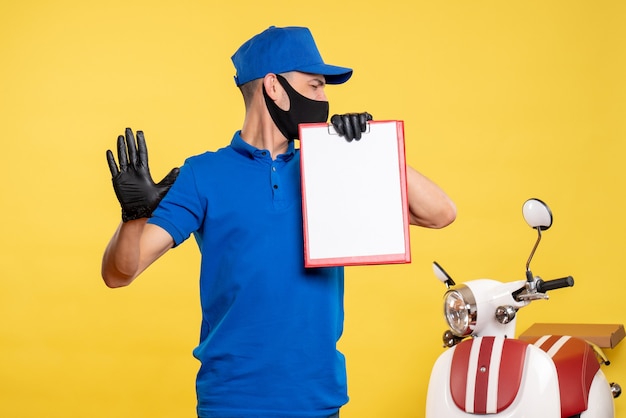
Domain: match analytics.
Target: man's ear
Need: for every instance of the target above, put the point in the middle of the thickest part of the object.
(272, 86)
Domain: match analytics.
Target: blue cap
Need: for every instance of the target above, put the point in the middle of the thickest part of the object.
(280, 50)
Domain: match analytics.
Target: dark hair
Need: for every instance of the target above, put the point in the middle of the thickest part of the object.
(247, 90)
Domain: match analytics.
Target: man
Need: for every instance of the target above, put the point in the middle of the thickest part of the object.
(269, 325)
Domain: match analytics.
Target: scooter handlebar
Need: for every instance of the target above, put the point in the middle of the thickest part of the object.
(544, 286)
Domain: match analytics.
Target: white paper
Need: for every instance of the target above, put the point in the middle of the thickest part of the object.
(353, 196)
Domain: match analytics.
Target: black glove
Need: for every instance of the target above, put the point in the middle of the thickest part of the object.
(133, 185)
(351, 125)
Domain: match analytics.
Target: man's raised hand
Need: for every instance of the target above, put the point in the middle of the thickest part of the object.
(136, 191)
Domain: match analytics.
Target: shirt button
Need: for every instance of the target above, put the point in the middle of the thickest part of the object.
(276, 186)
(273, 168)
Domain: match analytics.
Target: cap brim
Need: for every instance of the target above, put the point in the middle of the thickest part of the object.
(332, 73)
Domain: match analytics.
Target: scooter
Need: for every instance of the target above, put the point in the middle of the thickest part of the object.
(487, 371)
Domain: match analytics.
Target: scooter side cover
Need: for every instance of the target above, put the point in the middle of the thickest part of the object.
(576, 365)
(478, 382)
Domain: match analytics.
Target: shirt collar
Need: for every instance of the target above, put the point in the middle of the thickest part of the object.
(247, 150)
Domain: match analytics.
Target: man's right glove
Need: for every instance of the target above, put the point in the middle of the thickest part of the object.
(351, 125)
(133, 185)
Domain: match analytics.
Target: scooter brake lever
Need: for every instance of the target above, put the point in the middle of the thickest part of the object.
(532, 296)
(528, 292)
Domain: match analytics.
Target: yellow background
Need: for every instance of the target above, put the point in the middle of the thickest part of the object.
(502, 101)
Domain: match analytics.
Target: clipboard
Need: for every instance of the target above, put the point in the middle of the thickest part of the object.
(354, 198)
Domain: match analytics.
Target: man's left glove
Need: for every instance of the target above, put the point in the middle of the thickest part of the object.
(133, 184)
(351, 125)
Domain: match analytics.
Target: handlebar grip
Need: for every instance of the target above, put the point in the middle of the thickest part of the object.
(543, 287)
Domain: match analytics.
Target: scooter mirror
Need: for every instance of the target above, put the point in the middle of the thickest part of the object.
(537, 214)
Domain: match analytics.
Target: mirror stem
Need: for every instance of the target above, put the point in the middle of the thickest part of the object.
(529, 275)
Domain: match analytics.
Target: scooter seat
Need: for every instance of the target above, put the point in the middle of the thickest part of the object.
(576, 366)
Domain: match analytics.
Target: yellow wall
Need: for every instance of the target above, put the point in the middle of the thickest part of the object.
(502, 101)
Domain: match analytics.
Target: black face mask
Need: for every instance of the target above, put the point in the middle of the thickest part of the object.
(301, 110)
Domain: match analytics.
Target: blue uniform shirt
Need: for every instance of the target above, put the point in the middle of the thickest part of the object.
(269, 326)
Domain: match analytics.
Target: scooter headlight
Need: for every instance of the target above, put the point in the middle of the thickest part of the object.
(460, 310)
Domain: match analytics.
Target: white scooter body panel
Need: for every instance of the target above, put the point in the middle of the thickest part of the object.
(601, 404)
(538, 395)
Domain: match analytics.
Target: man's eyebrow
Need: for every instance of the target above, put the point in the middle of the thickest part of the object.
(320, 80)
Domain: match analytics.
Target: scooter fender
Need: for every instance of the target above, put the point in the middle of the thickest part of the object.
(495, 376)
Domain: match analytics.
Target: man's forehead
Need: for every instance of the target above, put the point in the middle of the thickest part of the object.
(298, 75)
